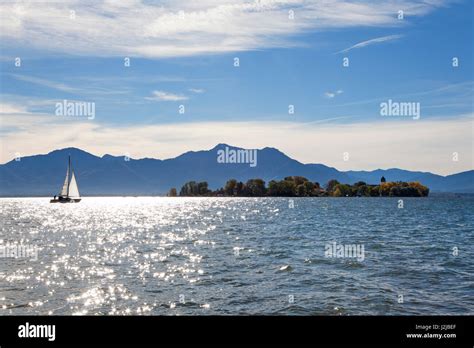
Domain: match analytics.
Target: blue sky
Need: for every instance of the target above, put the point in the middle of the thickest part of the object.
(183, 54)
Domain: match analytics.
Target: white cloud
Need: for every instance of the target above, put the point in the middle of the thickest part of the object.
(184, 28)
(197, 90)
(372, 42)
(166, 96)
(331, 95)
(89, 89)
(45, 83)
(12, 109)
(425, 145)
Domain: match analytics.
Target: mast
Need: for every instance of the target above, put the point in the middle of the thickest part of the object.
(69, 171)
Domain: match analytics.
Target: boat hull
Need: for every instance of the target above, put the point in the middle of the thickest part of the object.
(65, 200)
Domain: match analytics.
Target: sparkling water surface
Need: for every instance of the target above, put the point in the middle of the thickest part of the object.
(239, 256)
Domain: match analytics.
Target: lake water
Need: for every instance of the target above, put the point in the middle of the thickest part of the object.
(240, 256)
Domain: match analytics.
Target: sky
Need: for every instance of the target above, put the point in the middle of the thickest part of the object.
(310, 79)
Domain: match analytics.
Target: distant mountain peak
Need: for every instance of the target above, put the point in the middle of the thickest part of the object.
(223, 146)
(71, 148)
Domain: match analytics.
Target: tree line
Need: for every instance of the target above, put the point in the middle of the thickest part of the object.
(298, 186)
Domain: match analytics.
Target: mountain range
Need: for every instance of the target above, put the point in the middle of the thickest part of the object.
(43, 175)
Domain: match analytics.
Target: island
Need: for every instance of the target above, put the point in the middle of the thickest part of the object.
(298, 186)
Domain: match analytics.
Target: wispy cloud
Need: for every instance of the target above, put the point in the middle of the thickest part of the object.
(331, 95)
(372, 42)
(197, 90)
(46, 83)
(59, 86)
(185, 28)
(166, 96)
(12, 109)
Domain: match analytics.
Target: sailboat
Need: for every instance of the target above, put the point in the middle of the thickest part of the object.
(69, 192)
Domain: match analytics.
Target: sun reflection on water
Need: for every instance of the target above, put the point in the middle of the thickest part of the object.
(174, 256)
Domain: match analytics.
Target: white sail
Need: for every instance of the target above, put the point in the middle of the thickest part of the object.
(66, 181)
(73, 189)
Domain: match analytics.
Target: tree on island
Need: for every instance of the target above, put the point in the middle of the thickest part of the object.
(382, 179)
(298, 186)
(230, 187)
(331, 185)
(193, 188)
(239, 188)
(254, 188)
